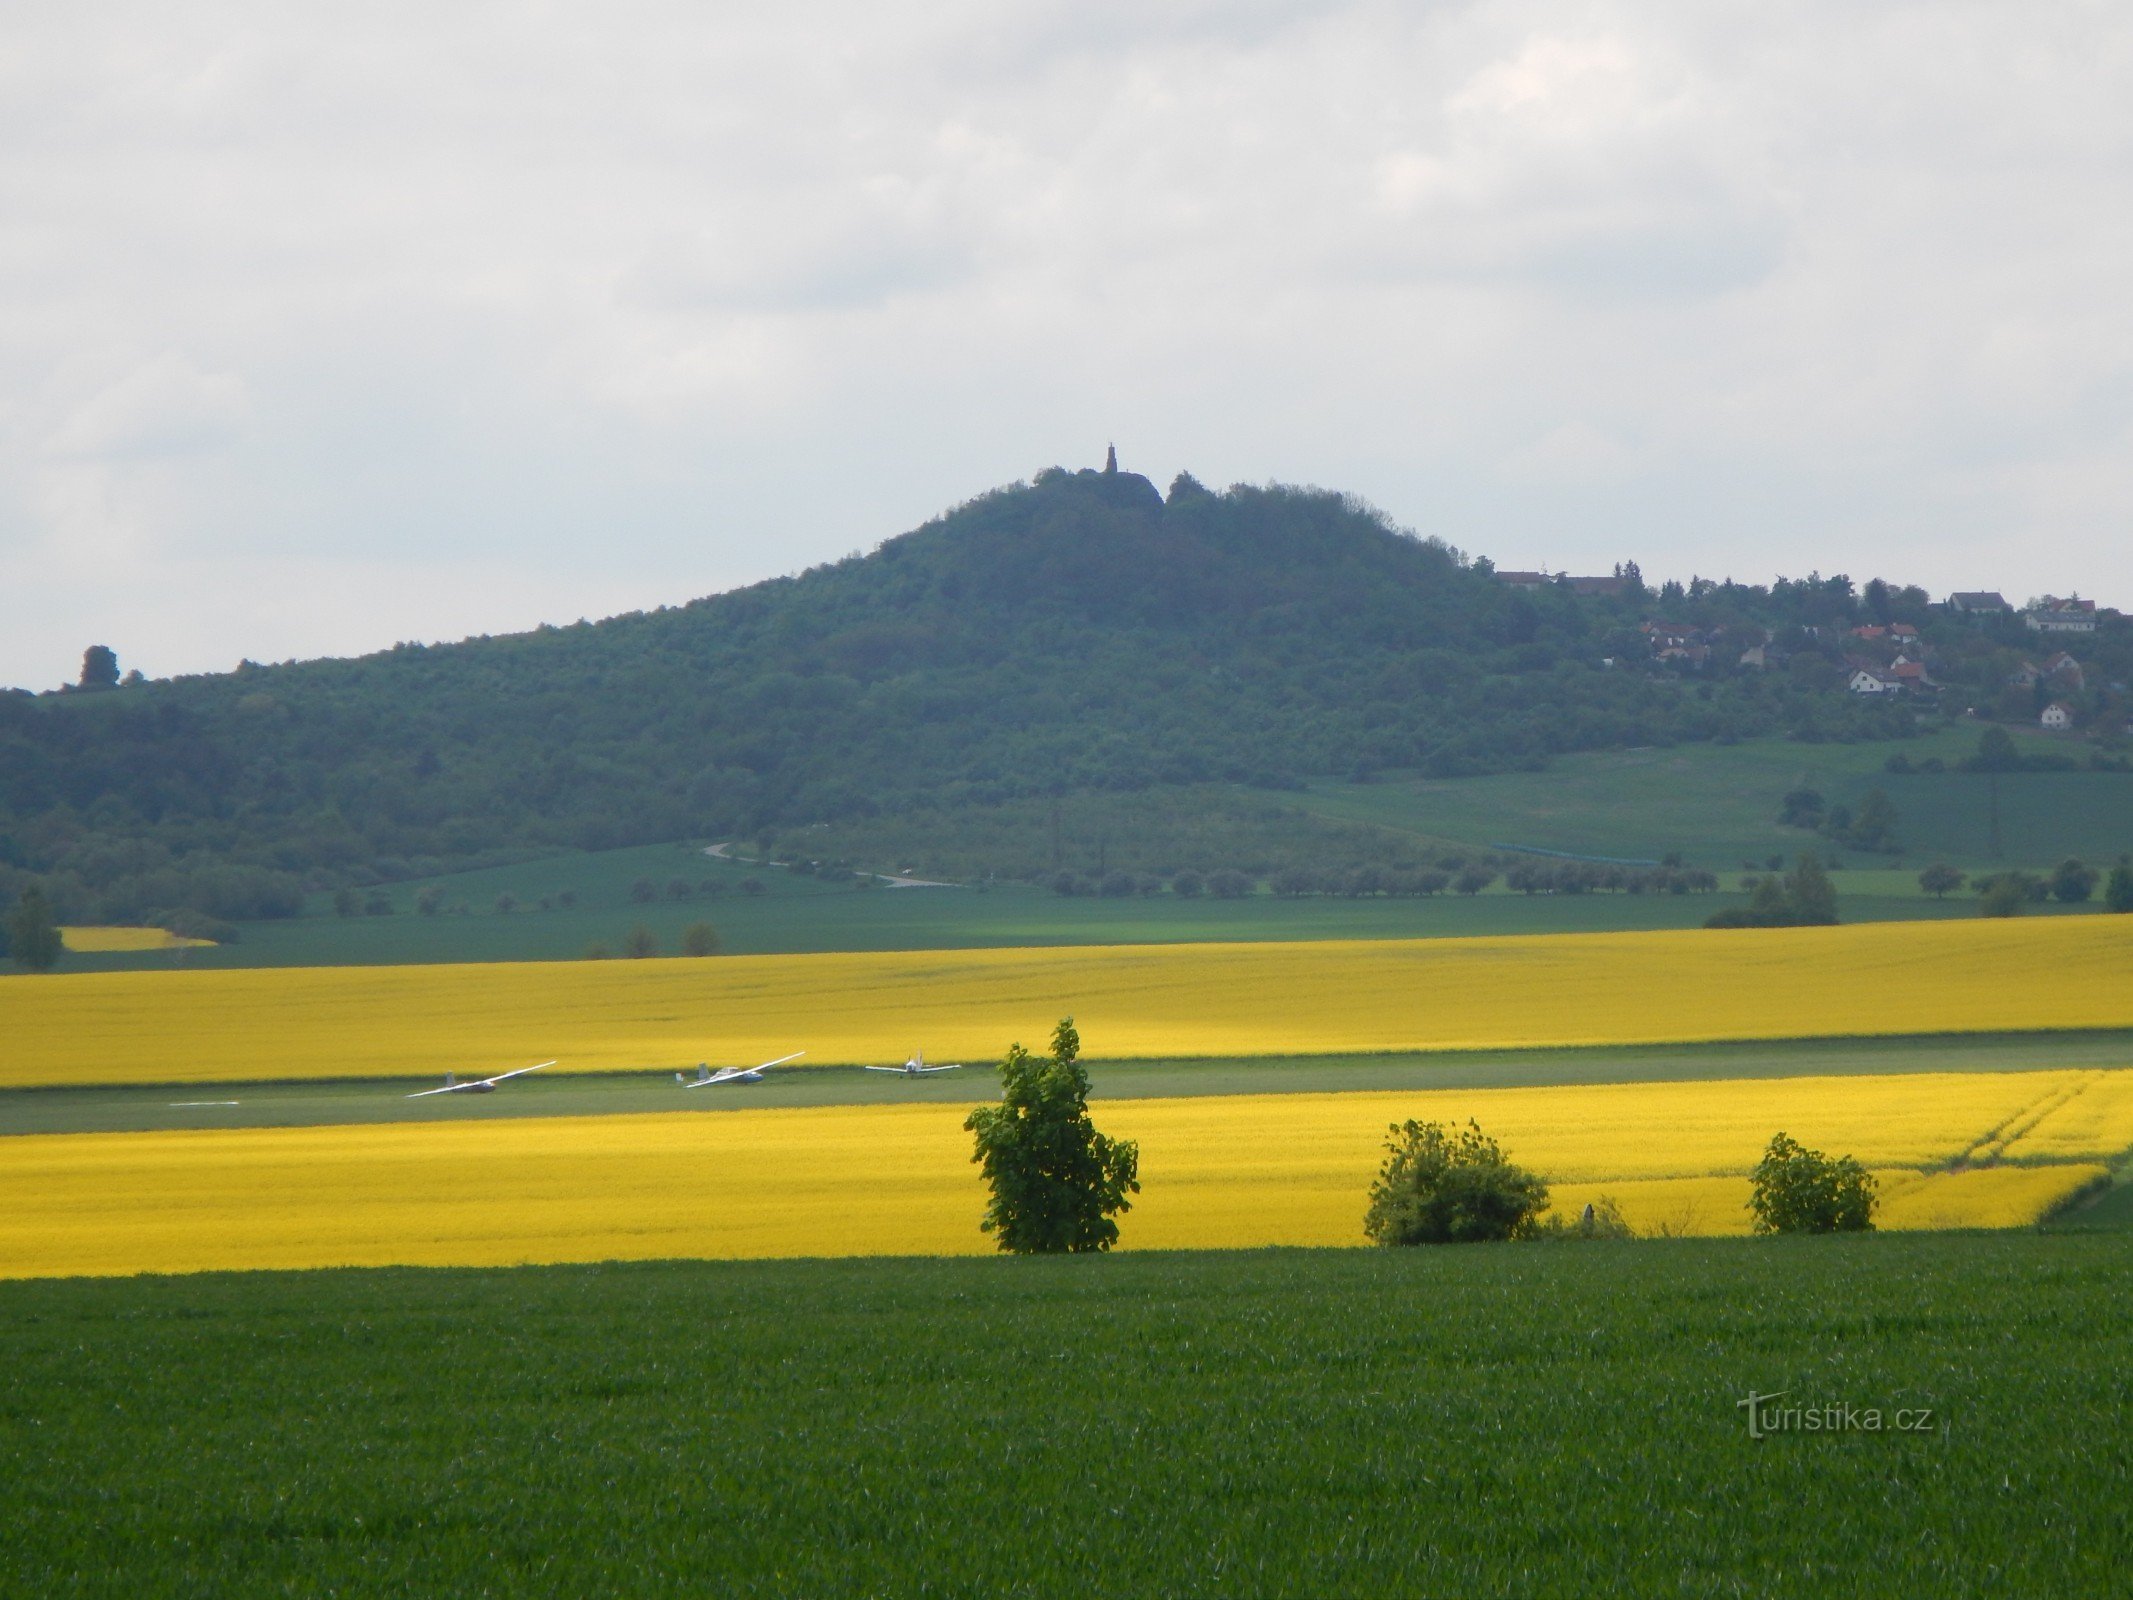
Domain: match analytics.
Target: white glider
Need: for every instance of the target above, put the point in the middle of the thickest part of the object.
(916, 1066)
(452, 1085)
(705, 1076)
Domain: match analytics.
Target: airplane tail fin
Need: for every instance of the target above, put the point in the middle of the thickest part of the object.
(451, 1080)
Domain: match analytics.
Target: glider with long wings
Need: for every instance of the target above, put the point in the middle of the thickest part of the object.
(916, 1066)
(705, 1077)
(452, 1085)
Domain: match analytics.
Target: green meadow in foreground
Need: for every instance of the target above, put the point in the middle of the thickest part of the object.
(1477, 1420)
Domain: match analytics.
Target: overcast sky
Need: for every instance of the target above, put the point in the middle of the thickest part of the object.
(325, 327)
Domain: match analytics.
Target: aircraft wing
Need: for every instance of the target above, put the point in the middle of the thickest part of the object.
(479, 1083)
(898, 1070)
(955, 1067)
(499, 1078)
(728, 1074)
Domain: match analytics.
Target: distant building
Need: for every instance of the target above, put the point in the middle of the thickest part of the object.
(1980, 602)
(2066, 669)
(2058, 716)
(2053, 615)
(1871, 680)
(1522, 580)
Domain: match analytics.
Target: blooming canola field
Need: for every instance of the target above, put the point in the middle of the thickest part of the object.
(1133, 1002)
(1951, 1150)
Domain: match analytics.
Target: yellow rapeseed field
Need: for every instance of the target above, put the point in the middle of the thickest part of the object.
(1133, 1001)
(100, 941)
(1219, 1171)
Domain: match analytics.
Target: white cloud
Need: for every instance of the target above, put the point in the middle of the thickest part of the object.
(163, 407)
(631, 303)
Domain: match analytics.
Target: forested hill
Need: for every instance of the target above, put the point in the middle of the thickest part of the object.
(1084, 630)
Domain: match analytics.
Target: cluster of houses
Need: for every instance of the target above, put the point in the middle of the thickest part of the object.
(1880, 659)
(1887, 660)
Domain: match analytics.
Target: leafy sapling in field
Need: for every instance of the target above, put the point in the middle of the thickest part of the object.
(33, 939)
(1056, 1182)
(1443, 1187)
(1600, 1219)
(1798, 1190)
(2118, 892)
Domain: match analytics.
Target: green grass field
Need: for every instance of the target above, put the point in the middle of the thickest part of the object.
(1480, 1420)
(1718, 804)
(120, 1108)
(796, 913)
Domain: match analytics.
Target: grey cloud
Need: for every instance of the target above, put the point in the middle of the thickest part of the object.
(637, 301)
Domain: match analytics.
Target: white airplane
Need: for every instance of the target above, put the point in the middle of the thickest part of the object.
(452, 1085)
(916, 1066)
(704, 1075)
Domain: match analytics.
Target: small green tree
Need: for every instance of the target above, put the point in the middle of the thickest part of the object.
(2073, 882)
(2118, 891)
(1940, 880)
(1812, 896)
(640, 943)
(33, 937)
(1877, 827)
(1996, 752)
(1798, 1190)
(99, 667)
(1056, 1182)
(699, 939)
(1442, 1187)
(2004, 894)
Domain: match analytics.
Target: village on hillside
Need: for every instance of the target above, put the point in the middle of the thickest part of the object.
(2060, 664)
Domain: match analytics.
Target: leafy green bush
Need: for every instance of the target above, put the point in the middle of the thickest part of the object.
(2007, 894)
(1056, 1182)
(1797, 1190)
(1441, 1187)
(1601, 1219)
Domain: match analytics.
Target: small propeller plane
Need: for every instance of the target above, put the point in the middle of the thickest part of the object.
(916, 1066)
(705, 1076)
(452, 1085)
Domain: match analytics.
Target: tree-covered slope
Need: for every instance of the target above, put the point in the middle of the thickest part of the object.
(1081, 631)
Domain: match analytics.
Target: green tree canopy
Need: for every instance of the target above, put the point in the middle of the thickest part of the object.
(1056, 1182)
(33, 938)
(1798, 1190)
(99, 667)
(1444, 1187)
(1813, 897)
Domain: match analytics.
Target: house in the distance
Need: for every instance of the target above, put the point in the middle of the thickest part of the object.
(2053, 615)
(1523, 580)
(1979, 602)
(2065, 669)
(1872, 680)
(2058, 716)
